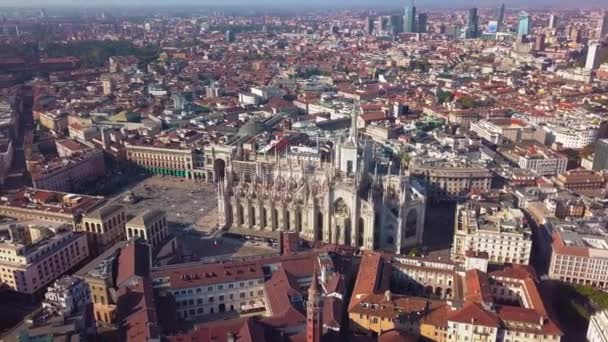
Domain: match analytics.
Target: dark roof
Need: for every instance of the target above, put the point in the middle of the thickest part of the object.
(251, 128)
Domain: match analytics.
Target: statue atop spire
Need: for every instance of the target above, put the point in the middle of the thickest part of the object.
(353, 136)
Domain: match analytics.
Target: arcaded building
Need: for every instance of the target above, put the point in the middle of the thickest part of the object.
(342, 200)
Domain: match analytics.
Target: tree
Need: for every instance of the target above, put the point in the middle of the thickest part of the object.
(414, 252)
(444, 96)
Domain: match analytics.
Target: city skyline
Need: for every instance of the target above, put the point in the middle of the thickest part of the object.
(434, 4)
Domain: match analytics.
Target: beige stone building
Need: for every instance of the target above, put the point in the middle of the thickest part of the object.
(579, 253)
(169, 160)
(49, 206)
(150, 226)
(104, 227)
(451, 180)
(28, 266)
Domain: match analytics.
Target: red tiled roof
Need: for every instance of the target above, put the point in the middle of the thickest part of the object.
(477, 287)
(188, 275)
(396, 336)
(370, 278)
(242, 329)
(474, 313)
(133, 261)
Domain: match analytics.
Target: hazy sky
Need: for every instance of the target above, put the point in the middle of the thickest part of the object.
(307, 3)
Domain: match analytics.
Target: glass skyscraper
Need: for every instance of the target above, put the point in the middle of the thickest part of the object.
(472, 24)
(409, 19)
(500, 16)
(523, 29)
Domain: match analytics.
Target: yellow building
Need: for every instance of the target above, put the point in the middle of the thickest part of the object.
(434, 324)
(377, 313)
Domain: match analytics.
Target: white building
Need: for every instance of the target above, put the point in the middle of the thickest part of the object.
(67, 295)
(487, 228)
(249, 99)
(500, 129)
(266, 93)
(574, 137)
(598, 327)
(595, 56)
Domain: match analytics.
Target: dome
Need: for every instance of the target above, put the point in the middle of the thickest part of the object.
(251, 128)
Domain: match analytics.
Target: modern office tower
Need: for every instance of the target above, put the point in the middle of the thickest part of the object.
(229, 36)
(523, 29)
(595, 55)
(369, 25)
(553, 20)
(396, 22)
(422, 19)
(600, 158)
(602, 29)
(539, 44)
(500, 15)
(472, 24)
(383, 24)
(409, 19)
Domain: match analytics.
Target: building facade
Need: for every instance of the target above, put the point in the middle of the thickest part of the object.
(501, 233)
(104, 227)
(150, 226)
(67, 174)
(579, 255)
(341, 201)
(202, 290)
(29, 268)
(446, 180)
(186, 163)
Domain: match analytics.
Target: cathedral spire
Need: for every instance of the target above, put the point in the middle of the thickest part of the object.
(353, 136)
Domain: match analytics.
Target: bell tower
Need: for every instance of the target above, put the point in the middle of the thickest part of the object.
(314, 311)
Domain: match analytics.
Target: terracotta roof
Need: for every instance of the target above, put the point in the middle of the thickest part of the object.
(281, 288)
(473, 313)
(396, 336)
(134, 261)
(136, 311)
(380, 306)
(437, 315)
(516, 314)
(371, 278)
(242, 329)
(193, 275)
(477, 287)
